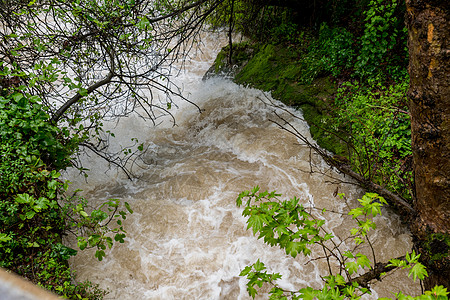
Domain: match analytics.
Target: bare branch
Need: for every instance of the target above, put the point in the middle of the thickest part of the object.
(343, 166)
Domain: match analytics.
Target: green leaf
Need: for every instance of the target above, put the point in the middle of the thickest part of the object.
(100, 254)
(246, 270)
(412, 257)
(328, 236)
(4, 238)
(358, 240)
(348, 254)
(119, 237)
(98, 215)
(83, 92)
(293, 248)
(255, 189)
(362, 260)
(418, 271)
(94, 239)
(438, 291)
(143, 23)
(24, 198)
(128, 207)
(308, 293)
(109, 241)
(17, 97)
(367, 225)
(259, 266)
(55, 174)
(41, 204)
(352, 267)
(397, 263)
(82, 243)
(30, 214)
(256, 222)
(356, 212)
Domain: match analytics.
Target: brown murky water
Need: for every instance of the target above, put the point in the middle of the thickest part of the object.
(187, 239)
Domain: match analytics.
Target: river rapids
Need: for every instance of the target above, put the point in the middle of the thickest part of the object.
(186, 238)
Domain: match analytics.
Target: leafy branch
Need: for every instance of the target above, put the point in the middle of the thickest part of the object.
(290, 226)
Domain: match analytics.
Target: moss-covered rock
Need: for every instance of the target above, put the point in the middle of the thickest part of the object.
(278, 69)
(242, 53)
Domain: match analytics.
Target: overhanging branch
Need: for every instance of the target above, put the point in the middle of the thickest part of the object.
(58, 114)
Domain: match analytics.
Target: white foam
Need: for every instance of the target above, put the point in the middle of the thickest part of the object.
(187, 239)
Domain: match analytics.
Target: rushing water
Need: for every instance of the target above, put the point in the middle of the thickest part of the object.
(186, 238)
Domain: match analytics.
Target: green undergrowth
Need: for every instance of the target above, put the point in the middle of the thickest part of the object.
(301, 230)
(35, 214)
(375, 124)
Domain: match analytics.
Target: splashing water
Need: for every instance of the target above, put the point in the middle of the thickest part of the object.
(186, 238)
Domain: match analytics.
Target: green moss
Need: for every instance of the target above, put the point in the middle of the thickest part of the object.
(325, 139)
(220, 61)
(242, 52)
(278, 69)
(269, 68)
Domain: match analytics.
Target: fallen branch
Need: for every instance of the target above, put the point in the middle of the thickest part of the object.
(343, 166)
(393, 199)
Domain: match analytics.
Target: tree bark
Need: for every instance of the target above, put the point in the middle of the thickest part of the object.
(428, 23)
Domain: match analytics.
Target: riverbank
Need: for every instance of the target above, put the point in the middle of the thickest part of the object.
(364, 123)
(277, 69)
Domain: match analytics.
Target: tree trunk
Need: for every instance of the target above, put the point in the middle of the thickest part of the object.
(428, 23)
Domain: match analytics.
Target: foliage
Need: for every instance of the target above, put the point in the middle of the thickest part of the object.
(90, 229)
(269, 24)
(274, 24)
(33, 216)
(76, 64)
(93, 61)
(378, 130)
(286, 32)
(437, 246)
(383, 34)
(332, 53)
(25, 129)
(373, 48)
(380, 53)
(367, 122)
(294, 228)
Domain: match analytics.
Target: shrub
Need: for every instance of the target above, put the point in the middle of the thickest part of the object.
(383, 44)
(377, 125)
(33, 213)
(332, 53)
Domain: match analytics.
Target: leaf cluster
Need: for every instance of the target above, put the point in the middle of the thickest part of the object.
(333, 52)
(34, 215)
(286, 224)
(383, 44)
(93, 230)
(374, 122)
(372, 48)
(283, 223)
